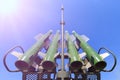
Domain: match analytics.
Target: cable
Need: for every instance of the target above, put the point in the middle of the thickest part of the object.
(5, 56)
(115, 60)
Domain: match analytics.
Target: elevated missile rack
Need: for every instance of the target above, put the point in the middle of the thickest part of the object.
(36, 64)
(46, 75)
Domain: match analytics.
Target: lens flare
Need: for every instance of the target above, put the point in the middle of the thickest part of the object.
(8, 6)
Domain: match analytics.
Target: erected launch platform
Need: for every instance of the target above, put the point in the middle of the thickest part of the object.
(46, 59)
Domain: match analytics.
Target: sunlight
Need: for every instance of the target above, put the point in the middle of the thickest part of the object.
(8, 6)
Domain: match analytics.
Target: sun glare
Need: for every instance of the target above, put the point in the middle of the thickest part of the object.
(8, 6)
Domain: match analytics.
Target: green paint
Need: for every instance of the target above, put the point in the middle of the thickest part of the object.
(52, 48)
(92, 55)
(73, 53)
(28, 56)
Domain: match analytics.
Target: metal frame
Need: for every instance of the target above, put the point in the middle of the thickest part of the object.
(47, 76)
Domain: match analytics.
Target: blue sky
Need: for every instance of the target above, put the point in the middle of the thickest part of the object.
(97, 19)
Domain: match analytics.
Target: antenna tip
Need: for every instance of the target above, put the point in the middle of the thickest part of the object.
(62, 7)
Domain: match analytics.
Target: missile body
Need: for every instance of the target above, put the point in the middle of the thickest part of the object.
(28, 57)
(48, 62)
(95, 59)
(75, 61)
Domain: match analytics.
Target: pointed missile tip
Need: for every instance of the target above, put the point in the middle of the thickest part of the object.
(51, 30)
(66, 31)
(73, 32)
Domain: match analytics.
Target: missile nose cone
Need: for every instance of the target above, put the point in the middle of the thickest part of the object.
(51, 30)
(66, 31)
(73, 32)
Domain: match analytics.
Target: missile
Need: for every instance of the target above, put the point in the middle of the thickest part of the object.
(27, 59)
(95, 59)
(48, 62)
(75, 61)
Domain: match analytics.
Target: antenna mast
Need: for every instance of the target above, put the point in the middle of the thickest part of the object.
(62, 23)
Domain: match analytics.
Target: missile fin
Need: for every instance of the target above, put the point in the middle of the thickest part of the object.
(85, 38)
(51, 37)
(56, 55)
(46, 44)
(41, 54)
(82, 55)
(88, 65)
(37, 37)
(76, 45)
(16, 54)
(72, 37)
(35, 65)
(104, 55)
